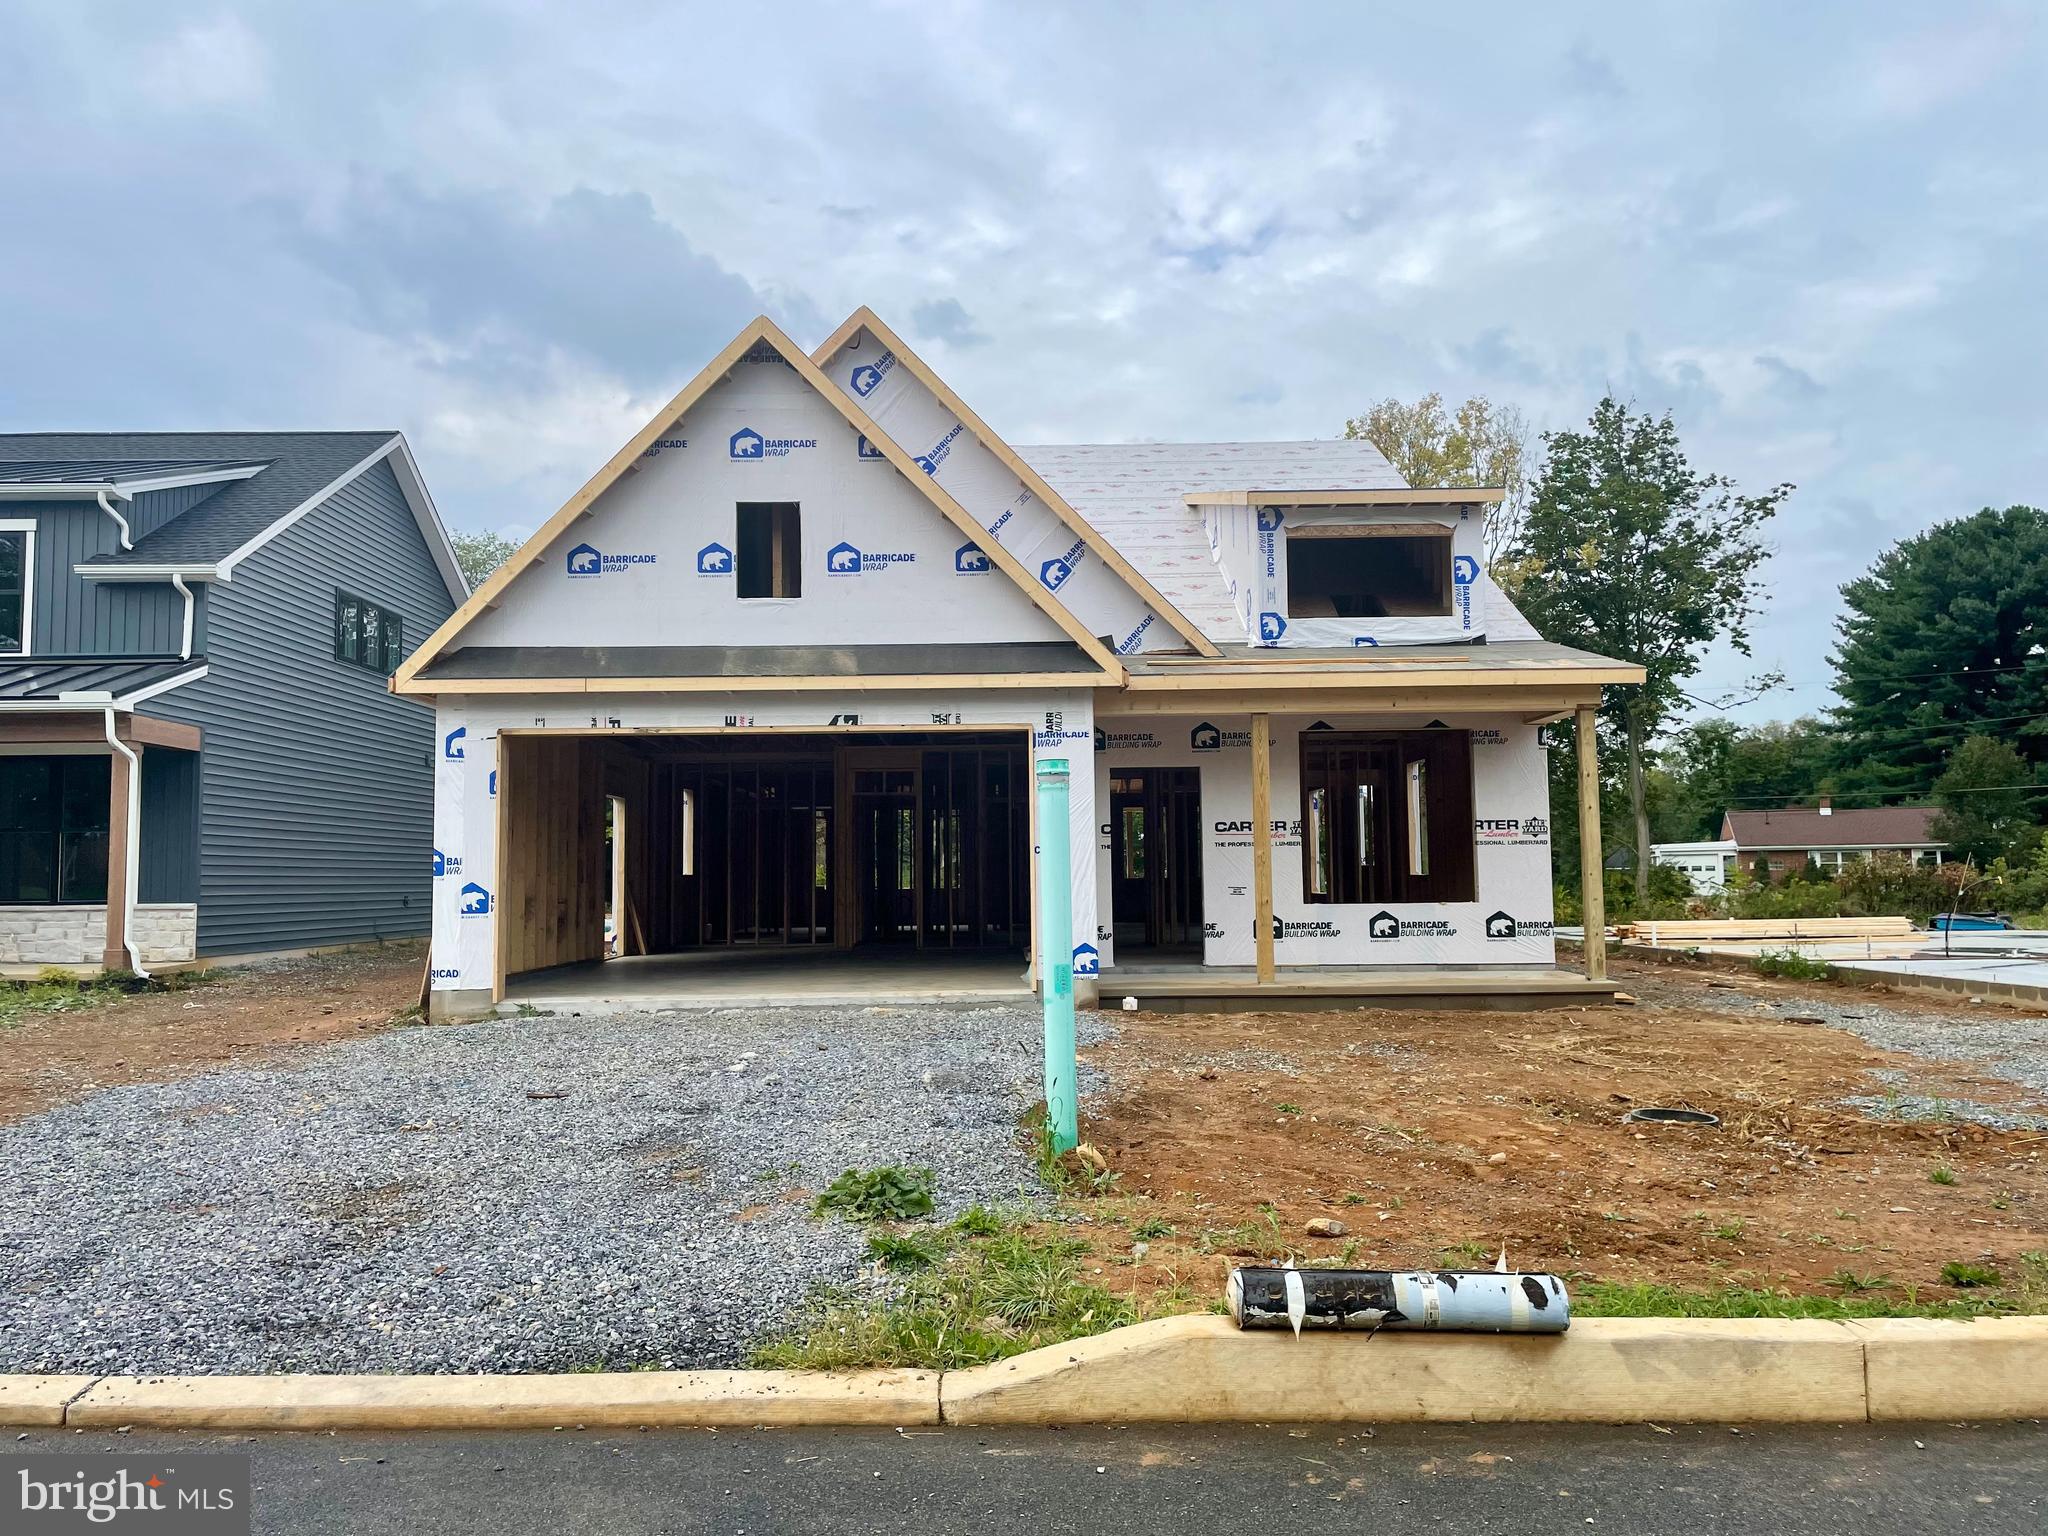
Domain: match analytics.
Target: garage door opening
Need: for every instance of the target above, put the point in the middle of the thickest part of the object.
(722, 864)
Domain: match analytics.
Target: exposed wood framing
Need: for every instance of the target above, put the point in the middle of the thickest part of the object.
(896, 683)
(1592, 891)
(551, 869)
(407, 680)
(1262, 842)
(1418, 698)
(865, 318)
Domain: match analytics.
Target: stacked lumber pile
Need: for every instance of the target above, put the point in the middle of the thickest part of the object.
(1741, 929)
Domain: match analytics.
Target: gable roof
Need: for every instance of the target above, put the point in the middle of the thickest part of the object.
(1803, 826)
(762, 330)
(866, 319)
(294, 472)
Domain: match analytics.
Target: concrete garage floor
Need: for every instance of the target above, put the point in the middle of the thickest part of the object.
(778, 977)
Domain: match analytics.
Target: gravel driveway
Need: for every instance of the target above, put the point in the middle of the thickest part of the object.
(407, 1203)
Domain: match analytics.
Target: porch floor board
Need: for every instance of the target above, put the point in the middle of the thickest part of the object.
(1182, 988)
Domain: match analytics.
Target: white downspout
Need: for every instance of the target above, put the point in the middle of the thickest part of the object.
(185, 646)
(120, 522)
(133, 851)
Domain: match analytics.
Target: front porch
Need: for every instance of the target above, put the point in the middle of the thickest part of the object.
(99, 825)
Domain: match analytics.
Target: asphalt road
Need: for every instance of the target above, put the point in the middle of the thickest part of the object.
(1526, 1480)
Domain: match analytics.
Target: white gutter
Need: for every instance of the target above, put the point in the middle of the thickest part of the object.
(120, 522)
(132, 849)
(185, 645)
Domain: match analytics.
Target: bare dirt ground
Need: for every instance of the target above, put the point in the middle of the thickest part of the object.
(226, 1017)
(1439, 1138)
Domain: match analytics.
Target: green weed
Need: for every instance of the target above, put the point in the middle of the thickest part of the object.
(888, 1193)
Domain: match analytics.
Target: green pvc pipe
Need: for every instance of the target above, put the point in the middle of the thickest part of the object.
(1056, 954)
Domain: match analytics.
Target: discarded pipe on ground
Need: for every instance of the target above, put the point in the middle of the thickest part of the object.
(1462, 1300)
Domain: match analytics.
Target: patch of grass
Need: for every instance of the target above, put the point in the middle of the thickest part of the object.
(1598, 1298)
(980, 1221)
(906, 1250)
(1151, 1227)
(1848, 1282)
(1283, 1107)
(994, 1299)
(1080, 1170)
(1970, 1277)
(1353, 1197)
(1470, 1254)
(56, 990)
(888, 1193)
(1729, 1230)
(1942, 1176)
(1792, 966)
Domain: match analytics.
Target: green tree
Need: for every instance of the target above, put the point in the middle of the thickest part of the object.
(1483, 444)
(1984, 812)
(479, 554)
(1714, 765)
(1629, 551)
(1942, 638)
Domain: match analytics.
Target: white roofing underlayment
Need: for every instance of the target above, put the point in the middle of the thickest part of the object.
(1133, 494)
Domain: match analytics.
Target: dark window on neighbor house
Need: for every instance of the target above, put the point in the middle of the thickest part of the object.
(367, 636)
(14, 556)
(1386, 816)
(53, 828)
(770, 549)
(1368, 572)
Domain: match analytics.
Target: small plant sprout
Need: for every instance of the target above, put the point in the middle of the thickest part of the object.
(1969, 1277)
(1942, 1175)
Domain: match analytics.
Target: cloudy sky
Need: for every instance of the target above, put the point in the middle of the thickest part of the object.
(1817, 233)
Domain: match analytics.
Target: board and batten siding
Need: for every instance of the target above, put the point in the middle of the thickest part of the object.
(76, 617)
(316, 783)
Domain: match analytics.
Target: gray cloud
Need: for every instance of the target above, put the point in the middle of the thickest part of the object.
(1817, 239)
(948, 321)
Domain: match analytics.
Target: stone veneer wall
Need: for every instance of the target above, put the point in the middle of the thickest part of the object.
(35, 934)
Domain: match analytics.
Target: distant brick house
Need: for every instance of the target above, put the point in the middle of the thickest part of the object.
(1787, 839)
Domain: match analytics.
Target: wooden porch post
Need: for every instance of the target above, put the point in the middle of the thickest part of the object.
(1262, 842)
(115, 956)
(1592, 890)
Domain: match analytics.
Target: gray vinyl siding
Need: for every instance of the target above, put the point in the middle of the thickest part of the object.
(76, 617)
(316, 784)
(169, 853)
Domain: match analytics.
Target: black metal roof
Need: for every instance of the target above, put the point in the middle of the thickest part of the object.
(109, 471)
(740, 661)
(297, 465)
(41, 679)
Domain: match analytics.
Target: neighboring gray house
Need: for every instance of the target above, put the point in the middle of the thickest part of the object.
(199, 753)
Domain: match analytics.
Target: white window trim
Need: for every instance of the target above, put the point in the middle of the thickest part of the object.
(27, 526)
